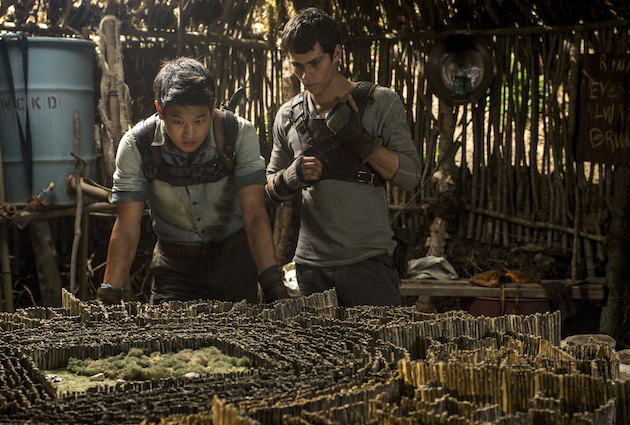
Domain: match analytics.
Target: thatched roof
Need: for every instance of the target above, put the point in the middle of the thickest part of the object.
(419, 15)
(215, 16)
(358, 18)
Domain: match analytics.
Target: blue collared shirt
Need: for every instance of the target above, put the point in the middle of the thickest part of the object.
(196, 214)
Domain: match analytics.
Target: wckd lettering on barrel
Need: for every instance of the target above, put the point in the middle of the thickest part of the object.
(59, 81)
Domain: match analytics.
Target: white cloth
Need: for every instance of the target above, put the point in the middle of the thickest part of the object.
(431, 267)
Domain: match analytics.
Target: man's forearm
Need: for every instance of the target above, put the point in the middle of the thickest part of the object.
(120, 256)
(258, 228)
(260, 240)
(385, 162)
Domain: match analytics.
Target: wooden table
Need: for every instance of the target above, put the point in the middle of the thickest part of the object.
(592, 290)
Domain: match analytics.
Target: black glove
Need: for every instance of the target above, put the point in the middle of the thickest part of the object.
(109, 294)
(344, 122)
(272, 284)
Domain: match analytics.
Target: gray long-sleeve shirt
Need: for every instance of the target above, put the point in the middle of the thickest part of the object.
(344, 222)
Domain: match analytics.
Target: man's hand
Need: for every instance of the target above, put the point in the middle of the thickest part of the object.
(286, 183)
(310, 168)
(108, 294)
(272, 284)
(343, 120)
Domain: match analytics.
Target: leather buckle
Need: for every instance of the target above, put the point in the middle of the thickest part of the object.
(150, 172)
(365, 177)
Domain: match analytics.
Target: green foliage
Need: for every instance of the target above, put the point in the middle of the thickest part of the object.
(135, 352)
(137, 365)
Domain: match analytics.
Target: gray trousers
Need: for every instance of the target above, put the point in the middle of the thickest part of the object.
(224, 272)
(368, 282)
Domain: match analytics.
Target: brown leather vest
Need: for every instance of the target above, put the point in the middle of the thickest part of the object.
(339, 160)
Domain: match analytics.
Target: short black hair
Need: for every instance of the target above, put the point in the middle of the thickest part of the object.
(183, 81)
(307, 27)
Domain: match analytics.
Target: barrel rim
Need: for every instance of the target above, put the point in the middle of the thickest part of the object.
(13, 38)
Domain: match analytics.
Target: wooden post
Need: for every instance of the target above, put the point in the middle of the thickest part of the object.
(46, 263)
(7, 284)
(283, 223)
(181, 28)
(5, 263)
(618, 247)
(78, 213)
(83, 256)
(115, 102)
(110, 31)
(445, 180)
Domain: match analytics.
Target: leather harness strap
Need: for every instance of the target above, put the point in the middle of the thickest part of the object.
(225, 135)
(225, 128)
(317, 139)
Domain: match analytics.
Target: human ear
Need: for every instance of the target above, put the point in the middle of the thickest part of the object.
(336, 54)
(159, 110)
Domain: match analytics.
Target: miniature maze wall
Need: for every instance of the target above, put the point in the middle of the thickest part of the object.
(313, 363)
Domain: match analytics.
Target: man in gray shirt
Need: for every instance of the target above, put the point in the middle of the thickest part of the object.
(337, 143)
(200, 171)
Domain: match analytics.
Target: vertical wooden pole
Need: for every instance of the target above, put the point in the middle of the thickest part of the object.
(114, 103)
(78, 213)
(445, 178)
(180, 29)
(46, 263)
(83, 255)
(7, 284)
(110, 31)
(618, 246)
(5, 263)
(283, 224)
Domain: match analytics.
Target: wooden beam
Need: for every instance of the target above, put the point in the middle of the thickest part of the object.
(533, 224)
(166, 35)
(200, 38)
(505, 31)
(591, 290)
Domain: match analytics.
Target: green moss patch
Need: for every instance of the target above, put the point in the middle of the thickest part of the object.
(136, 365)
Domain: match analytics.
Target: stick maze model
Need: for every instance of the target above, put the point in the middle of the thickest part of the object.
(313, 363)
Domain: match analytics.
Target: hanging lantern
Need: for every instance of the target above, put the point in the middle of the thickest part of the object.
(459, 68)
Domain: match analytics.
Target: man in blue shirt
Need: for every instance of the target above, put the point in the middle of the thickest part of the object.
(205, 193)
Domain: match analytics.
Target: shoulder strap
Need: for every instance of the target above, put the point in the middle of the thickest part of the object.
(298, 113)
(299, 116)
(362, 95)
(225, 135)
(143, 132)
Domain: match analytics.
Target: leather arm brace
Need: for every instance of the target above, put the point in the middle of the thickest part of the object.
(285, 183)
(108, 294)
(345, 123)
(272, 284)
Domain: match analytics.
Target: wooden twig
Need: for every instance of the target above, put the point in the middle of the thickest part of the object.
(533, 224)
(79, 208)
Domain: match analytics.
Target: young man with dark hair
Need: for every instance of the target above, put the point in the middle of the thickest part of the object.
(337, 143)
(200, 171)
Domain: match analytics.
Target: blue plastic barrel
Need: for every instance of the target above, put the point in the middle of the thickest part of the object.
(59, 81)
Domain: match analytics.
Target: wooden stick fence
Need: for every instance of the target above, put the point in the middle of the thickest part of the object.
(518, 179)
